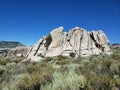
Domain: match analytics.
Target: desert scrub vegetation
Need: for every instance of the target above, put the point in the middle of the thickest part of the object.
(6, 60)
(62, 73)
(66, 81)
(22, 76)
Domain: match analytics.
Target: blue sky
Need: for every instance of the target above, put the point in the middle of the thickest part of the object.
(27, 20)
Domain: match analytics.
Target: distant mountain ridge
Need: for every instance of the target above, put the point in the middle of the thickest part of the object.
(115, 45)
(10, 44)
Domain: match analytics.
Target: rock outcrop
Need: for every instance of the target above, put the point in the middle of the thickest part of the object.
(18, 51)
(12, 48)
(77, 41)
(13, 52)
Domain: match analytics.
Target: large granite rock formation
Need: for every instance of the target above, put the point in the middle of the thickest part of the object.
(77, 41)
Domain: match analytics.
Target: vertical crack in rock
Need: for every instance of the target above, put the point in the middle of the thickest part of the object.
(88, 47)
(73, 48)
(39, 46)
(81, 42)
(68, 40)
(95, 41)
(100, 42)
(91, 43)
(29, 51)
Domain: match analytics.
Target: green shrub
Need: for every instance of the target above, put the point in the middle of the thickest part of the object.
(23, 82)
(40, 55)
(117, 78)
(66, 81)
(61, 57)
(62, 60)
(2, 70)
(77, 60)
(4, 61)
(72, 54)
(48, 59)
(48, 41)
(32, 67)
(114, 68)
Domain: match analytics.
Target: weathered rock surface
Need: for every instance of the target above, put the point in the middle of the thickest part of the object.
(11, 52)
(77, 41)
(18, 51)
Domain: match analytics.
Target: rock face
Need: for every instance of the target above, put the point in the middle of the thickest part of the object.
(18, 51)
(77, 41)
